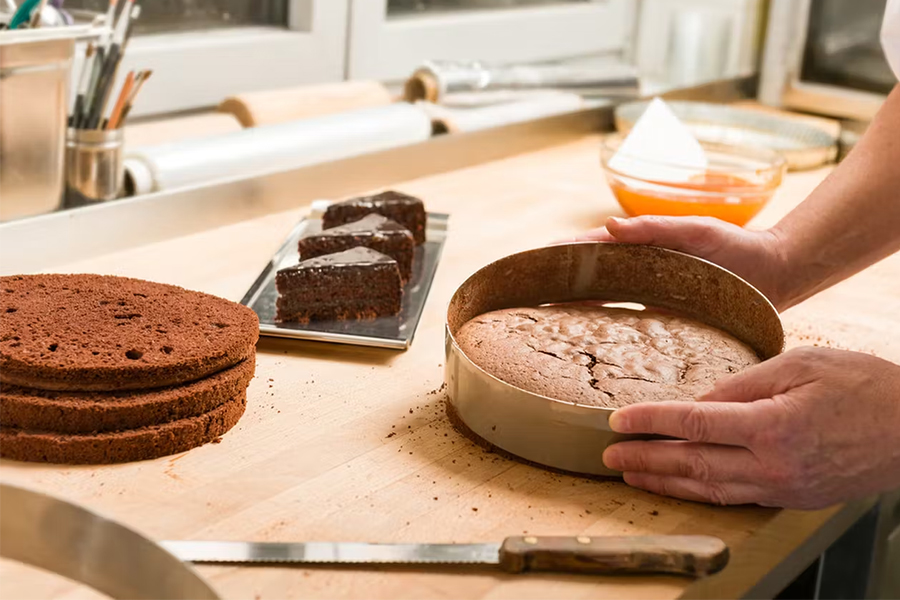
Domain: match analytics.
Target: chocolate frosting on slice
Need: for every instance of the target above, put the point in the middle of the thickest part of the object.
(384, 198)
(358, 256)
(370, 223)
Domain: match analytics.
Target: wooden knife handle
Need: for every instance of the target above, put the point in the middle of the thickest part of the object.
(693, 555)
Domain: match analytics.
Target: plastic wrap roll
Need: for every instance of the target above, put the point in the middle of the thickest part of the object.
(274, 148)
(279, 106)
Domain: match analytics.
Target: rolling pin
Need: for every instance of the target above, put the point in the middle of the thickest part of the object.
(279, 106)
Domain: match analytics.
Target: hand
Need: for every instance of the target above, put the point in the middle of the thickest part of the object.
(806, 429)
(754, 255)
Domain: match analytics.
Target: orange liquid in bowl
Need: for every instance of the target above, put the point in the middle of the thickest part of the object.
(715, 197)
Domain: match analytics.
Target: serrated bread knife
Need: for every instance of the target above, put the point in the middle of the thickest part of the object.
(693, 555)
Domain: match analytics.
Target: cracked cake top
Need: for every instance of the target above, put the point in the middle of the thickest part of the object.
(589, 354)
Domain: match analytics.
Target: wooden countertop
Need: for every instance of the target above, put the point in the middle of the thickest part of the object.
(342, 443)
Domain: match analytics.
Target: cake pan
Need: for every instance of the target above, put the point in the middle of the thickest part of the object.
(560, 434)
(804, 146)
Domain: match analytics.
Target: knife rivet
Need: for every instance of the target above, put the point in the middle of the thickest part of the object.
(531, 540)
(584, 540)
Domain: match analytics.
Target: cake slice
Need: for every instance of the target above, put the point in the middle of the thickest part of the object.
(355, 284)
(372, 231)
(406, 210)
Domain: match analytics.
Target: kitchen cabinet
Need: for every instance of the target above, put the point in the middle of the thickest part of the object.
(388, 39)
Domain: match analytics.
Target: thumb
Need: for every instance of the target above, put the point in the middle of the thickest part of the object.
(693, 235)
(765, 380)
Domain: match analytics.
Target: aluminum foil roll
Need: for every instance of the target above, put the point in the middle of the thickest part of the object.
(436, 80)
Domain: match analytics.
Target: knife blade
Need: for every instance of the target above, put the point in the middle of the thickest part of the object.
(681, 555)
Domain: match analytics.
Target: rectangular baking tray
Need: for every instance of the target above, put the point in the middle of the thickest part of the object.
(395, 333)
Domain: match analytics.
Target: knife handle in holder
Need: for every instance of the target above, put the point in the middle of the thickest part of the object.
(693, 555)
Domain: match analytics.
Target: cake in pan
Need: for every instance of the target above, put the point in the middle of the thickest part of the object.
(590, 354)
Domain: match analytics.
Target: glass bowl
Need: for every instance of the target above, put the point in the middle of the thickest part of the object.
(737, 184)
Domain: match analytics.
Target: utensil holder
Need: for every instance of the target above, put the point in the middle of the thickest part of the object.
(94, 165)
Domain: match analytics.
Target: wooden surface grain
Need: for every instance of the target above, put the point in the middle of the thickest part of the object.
(342, 443)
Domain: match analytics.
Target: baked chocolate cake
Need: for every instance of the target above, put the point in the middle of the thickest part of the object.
(589, 354)
(95, 412)
(359, 283)
(406, 210)
(122, 446)
(372, 231)
(103, 333)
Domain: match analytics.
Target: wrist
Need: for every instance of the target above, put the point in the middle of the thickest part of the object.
(781, 282)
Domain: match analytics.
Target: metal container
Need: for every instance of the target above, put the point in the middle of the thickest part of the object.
(35, 68)
(68, 540)
(560, 434)
(94, 165)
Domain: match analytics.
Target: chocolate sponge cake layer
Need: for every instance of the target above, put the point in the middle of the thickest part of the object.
(122, 446)
(406, 210)
(355, 284)
(372, 231)
(589, 354)
(102, 333)
(96, 412)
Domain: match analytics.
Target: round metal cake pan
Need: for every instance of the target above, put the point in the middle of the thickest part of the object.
(804, 146)
(563, 435)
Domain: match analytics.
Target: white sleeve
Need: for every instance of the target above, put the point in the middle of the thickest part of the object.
(890, 35)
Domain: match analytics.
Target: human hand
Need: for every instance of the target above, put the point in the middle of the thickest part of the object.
(806, 429)
(754, 255)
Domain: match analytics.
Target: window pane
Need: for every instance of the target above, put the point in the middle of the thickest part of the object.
(396, 7)
(179, 15)
(843, 48)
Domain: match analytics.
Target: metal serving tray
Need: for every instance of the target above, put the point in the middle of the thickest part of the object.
(395, 333)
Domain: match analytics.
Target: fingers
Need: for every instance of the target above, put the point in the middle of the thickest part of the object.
(693, 235)
(713, 422)
(698, 491)
(765, 380)
(691, 460)
(595, 235)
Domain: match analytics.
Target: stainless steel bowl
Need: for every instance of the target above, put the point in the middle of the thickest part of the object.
(560, 434)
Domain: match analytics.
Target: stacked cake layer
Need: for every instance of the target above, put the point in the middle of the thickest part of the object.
(97, 369)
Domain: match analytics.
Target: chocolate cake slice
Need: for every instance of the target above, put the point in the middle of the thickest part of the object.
(359, 283)
(402, 208)
(372, 231)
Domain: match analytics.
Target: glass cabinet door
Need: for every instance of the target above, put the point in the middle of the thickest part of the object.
(202, 51)
(390, 38)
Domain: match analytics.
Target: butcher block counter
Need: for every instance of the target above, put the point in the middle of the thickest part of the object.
(345, 443)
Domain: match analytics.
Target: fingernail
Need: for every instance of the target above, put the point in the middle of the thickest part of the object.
(618, 422)
(615, 220)
(612, 458)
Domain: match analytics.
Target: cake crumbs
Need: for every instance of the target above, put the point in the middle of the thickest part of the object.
(654, 513)
(474, 509)
(218, 440)
(391, 434)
